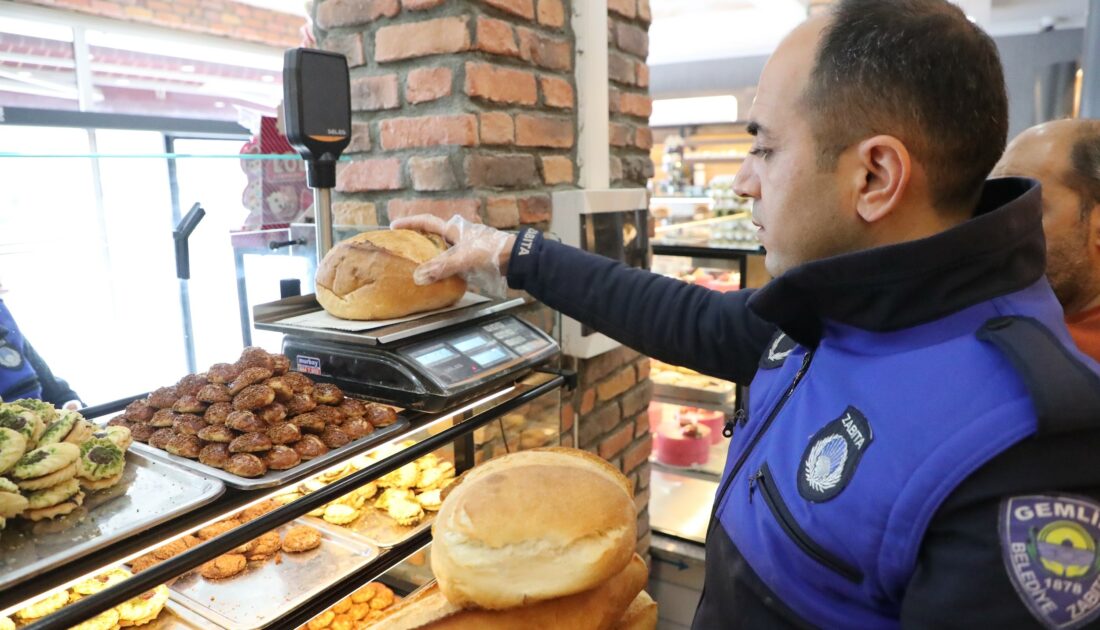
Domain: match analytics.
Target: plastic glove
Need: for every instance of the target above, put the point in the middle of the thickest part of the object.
(478, 254)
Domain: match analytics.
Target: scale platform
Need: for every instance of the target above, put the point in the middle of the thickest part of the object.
(431, 363)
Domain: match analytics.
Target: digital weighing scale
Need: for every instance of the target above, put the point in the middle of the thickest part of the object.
(430, 364)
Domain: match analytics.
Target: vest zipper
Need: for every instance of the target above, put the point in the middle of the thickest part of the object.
(738, 419)
(787, 521)
(809, 356)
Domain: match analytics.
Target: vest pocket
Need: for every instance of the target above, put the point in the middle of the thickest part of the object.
(762, 480)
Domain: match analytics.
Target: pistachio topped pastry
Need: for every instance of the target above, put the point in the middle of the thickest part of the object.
(45, 460)
(59, 429)
(21, 420)
(12, 446)
(100, 458)
(45, 411)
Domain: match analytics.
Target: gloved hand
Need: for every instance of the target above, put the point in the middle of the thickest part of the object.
(479, 253)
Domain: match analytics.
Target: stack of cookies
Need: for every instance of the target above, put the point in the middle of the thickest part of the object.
(251, 416)
(138, 611)
(49, 458)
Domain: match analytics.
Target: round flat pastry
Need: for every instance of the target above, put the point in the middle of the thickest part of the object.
(100, 459)
(6, 624)
(59, 429)
(106, 620)
(100, 484)
(12, 503)
(61, 509)
(43, 461)
(223, 567)
(21, 420)
(13, 445)
(143, 608)
(49, 480)
(121, 437)
(301, 538)
(104, 580)
(49, 497)
(82, 430)
(43, 607)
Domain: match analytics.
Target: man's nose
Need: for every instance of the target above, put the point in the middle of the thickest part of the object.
(747, 184)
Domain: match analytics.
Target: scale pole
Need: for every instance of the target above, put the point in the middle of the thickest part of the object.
(322, 214)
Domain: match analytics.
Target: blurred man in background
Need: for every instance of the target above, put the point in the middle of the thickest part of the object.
(1065, 157)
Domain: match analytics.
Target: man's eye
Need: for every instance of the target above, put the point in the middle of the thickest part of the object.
(760, 152)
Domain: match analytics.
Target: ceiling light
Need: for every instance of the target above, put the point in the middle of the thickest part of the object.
(187, 68)
(219, 104)
(122, 82)
(267, 78)
(24, 73)
(699, 110)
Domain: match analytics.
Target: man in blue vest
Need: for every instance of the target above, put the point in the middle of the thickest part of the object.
(23, 374)
(921, 441)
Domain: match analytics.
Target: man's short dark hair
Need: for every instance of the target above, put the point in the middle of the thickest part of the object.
(1084, 175)
(918, 70)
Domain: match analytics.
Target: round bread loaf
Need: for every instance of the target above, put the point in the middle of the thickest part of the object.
(533, 526)
(370, 276)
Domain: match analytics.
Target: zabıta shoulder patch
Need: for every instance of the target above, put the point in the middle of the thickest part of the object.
(1049, 544)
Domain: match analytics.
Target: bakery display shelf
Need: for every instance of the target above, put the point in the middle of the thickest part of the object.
(150, 493)
(286, 584)
(378, 529)
(727, 406)
(719, 399)
(120, 550)
(278, 478)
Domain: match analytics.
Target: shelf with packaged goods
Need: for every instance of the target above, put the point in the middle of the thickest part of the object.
(441, 430)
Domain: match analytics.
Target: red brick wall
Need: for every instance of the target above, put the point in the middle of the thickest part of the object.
(629, 101)
(469, 107)
(209, 17)
(463, 107)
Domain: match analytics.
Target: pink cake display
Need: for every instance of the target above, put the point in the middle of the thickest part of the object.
(713, 420)
(683, 445)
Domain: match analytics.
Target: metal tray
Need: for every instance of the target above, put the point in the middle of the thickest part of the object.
(176, 617)
(270, 317)
(377, 528)
(278, 477)
(150, 493)
(261, 595)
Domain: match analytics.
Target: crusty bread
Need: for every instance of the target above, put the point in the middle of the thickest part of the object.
(370, 276)
(532, 526)
(600, 608)
(640, 615)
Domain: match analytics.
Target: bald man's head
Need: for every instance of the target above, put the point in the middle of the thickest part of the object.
(1065, 157)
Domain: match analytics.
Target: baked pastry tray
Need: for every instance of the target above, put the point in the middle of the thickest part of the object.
(688, 394)
(261, 595)
(377, 528)
(274, 478)
(151, 492)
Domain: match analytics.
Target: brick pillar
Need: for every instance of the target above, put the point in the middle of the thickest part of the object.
(469, 107)
(460, 107)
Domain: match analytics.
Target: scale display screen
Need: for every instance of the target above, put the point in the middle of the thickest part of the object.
(467, 355)
(489, 357)
(469, 343)
(436, 356)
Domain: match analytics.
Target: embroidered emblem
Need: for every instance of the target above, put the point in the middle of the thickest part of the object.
(10, 357)
(830, 459)
(1049, 546)
(778, 350)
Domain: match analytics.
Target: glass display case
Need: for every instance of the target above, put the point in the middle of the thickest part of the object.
(171, 541)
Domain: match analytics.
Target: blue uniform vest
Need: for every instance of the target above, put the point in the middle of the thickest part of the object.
(847, 452)
(17, 377)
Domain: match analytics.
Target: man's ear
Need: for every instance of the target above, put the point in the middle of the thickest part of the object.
(884, 171)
